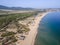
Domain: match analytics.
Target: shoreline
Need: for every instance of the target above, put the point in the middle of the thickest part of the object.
(39, 19)
(30, 38)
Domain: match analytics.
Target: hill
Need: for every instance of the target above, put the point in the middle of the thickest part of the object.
(15, 8)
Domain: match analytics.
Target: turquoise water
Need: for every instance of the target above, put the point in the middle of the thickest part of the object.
(49, 30)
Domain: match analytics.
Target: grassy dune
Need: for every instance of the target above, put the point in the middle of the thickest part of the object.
(7, 18)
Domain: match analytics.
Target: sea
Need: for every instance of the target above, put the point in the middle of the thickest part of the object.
(49, 30)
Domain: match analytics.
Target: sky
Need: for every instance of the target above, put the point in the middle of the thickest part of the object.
(31, 3)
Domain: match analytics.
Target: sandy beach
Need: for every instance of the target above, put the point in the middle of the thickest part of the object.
(30, 38)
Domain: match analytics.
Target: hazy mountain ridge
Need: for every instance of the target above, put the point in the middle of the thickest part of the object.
(15, 8)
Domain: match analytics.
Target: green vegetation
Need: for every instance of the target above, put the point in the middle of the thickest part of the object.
(23, 28)
(7, 34)
(9, 37)
(7, 18)
(9, 40)
(14, 39)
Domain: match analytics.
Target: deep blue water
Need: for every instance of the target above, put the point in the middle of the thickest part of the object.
(49, 30)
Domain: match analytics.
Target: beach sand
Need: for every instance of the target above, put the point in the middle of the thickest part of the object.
(30, 38)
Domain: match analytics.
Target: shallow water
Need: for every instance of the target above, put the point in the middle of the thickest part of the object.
(49, 30)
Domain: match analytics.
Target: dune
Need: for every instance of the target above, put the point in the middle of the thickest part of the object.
(30, 38)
